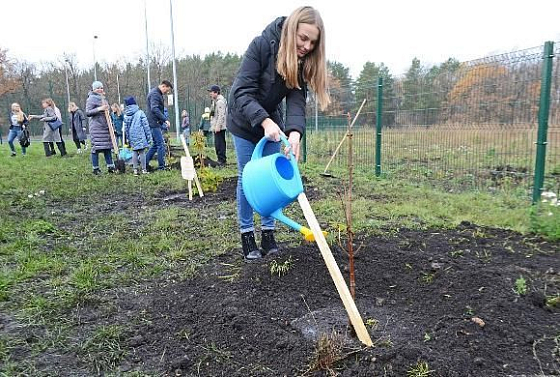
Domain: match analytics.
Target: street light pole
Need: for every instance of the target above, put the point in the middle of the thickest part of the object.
(147, 46)
(66, 62)
(118, 89)
(175, 91)
(94, 60)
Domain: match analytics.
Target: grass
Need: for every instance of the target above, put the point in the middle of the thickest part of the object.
(64, 249)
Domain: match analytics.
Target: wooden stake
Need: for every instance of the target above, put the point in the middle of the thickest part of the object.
(334, 271)
(196, 181)
(344, 138)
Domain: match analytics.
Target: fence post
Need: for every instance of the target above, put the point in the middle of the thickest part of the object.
(304, 146)
(544, 109)
(378, 125)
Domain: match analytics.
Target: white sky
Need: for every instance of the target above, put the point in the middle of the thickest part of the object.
(390, 31)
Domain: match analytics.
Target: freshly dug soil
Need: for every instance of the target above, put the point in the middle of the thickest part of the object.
(444, 297)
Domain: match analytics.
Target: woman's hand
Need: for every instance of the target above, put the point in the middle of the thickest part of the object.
(103, 108)
(271, 130)
(294, 140)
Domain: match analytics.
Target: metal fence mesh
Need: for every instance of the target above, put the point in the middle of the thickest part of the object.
(469, 125)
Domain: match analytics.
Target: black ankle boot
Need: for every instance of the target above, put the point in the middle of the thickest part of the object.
(250, 250)
(268, 243)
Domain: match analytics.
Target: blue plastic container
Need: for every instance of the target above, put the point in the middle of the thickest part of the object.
(272, 182)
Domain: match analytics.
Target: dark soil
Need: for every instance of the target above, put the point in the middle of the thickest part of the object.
(419, 292)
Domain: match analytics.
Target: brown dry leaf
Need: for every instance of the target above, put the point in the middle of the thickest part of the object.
(478, 321)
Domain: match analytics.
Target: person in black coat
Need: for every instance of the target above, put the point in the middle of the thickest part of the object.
(278, 65)
(156, 118)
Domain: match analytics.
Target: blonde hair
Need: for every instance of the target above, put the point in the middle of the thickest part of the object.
(118, 107)
(50, 102)
(314, 63)
(20, 114)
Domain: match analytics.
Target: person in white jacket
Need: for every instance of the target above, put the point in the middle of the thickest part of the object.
(218, 123)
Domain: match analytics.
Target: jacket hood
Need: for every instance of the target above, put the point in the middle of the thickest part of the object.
(273, 31)
(131, 110)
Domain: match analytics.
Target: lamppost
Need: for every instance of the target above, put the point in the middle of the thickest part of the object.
(66, 62)
(94, 60)
(147, 46)
(175, 90)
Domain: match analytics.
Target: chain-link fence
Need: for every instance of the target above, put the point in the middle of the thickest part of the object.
(468, 125)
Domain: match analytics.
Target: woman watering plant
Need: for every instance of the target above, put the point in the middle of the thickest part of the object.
(278, 65)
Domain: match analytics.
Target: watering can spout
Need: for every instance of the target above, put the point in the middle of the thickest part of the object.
(306, 232)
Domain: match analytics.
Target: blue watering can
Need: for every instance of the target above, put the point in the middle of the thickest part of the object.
(271, 183)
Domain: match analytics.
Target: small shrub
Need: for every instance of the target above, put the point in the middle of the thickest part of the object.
(521, 286)
(545, 220)
(421, 369)
(328, 351)
(281, 269)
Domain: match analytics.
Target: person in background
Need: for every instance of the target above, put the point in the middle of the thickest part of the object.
(218, 123)
(156, 119)
(137, 132)
(18, 122)
(278, 65)
(50, 136)
(96, 109)
(78, 127)
(204, 125)
(59, 116)
(186, 126)
(117, 118)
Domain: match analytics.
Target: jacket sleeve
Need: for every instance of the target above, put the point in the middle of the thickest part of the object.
(295, 111)
(48, 115)
(221, 115)
(81, 118)
(92, 108)
(146, 127)
(247, 88)
(154, 104)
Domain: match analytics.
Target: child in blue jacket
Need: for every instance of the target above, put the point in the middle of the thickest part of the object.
(138, 133)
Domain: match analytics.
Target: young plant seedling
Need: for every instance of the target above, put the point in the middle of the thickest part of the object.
(281, 269)
(372, 323)
(421, 369)
(521, 286)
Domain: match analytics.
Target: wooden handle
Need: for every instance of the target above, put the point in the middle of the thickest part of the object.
(336, 275)
(112, 133)
(344, 138)
(185, 147)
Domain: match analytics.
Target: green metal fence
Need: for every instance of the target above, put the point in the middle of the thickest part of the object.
(467, 125)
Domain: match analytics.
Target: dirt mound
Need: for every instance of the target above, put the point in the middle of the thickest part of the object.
(443, 297)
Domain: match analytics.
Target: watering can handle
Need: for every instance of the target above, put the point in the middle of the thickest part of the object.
(257, 153)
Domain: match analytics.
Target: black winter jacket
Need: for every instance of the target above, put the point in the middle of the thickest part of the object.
(155, 108)
(258, 90)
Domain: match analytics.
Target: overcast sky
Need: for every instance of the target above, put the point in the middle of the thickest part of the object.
(391, 31)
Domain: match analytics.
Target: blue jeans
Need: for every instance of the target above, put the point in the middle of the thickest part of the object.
(14, 133)
(244, 150)
(187, 135)
(106, 154)
(158, 146)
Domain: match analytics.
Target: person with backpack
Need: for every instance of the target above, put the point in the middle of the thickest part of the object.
(51, 125)
(279, 64)
(78, 127)
(18, 124)
(138, 133)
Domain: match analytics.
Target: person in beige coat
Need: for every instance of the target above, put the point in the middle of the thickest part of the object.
(218, 123)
